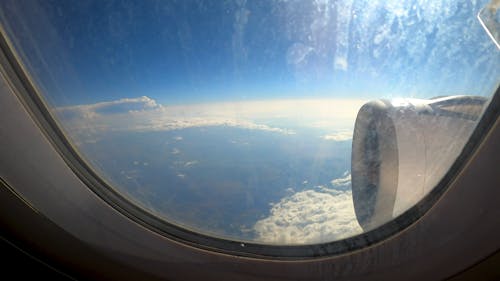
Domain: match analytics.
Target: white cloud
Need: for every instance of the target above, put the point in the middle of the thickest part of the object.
(86, 122)
(339, 136)
(126, 105)
(175, 151)
(308, 217)
(191, 163)
(311, 216)
(239, 142)
(130, 174)
(342, 182)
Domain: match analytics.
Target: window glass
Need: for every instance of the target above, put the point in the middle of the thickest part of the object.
(236, 118)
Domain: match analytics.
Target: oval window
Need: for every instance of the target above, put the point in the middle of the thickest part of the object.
(235, 119)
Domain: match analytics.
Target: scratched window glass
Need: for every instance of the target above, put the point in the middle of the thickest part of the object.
(274, 122)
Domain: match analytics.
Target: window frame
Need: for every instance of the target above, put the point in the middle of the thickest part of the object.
(34, 103)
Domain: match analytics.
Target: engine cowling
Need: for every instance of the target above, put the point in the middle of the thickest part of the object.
(402, 148)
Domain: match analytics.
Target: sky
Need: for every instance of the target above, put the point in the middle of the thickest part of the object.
(178, 52)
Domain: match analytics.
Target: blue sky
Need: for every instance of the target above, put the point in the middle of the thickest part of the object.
(176, 52)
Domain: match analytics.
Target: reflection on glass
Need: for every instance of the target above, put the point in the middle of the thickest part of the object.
(236, 118)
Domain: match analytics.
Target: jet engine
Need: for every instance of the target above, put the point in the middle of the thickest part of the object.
(402, 148)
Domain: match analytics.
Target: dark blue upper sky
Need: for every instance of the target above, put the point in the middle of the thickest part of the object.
(197, 51)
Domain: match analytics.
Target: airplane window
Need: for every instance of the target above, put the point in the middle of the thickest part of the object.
(269, 122)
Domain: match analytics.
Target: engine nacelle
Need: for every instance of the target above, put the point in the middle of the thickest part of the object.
(402, 148)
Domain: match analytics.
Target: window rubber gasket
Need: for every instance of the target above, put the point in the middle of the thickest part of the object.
(26, 91)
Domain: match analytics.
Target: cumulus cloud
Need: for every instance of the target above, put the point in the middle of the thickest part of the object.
(311, 216)
(339, 136)
(342, 182)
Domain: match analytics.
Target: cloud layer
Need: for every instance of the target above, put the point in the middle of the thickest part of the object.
(126, 105)
(339, 136)
(86, 122)
(344, 182)
(311, 216)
